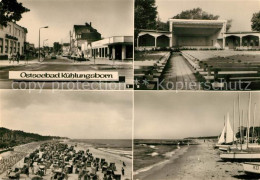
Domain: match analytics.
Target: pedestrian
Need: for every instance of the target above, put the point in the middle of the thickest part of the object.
(123, 171)
(26, 58)
(82, 54)
(10, 55)
(13, 57)
(124, 164)
(18, 57)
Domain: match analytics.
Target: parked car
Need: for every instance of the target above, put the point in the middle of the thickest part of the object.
(53, 56)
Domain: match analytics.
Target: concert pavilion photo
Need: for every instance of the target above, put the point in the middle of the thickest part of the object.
(195, 50)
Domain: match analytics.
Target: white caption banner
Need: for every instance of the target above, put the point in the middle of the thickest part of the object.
(64, 75)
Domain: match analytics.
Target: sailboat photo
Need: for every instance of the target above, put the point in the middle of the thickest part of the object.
(249, 151)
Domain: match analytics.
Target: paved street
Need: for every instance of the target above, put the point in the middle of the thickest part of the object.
(178, 75)
(64, 64)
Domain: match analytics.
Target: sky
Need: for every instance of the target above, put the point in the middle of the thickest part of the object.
(73, 114)
(170, 115)
(240, 11)
(109, 17)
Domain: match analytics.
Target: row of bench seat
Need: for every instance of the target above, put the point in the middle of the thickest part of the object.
(147, 73)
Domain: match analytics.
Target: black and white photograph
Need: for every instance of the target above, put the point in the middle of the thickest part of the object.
(129, 89)
(196, 135)
(66, 135)
(197, 45)
(67, 35)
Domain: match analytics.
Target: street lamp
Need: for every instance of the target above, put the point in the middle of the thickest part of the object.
(40, 41)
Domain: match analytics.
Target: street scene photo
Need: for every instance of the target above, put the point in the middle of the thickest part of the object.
(77, 136)
(175, 138)
(197, 45)
(70, 35)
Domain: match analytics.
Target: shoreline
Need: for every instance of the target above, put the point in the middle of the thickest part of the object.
(195, 162)
(160, 163)
(110, 157)
(151, 170)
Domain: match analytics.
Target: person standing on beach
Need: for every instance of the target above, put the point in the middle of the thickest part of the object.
(123, 171)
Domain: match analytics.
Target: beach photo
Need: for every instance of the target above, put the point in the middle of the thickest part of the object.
(196, 135)
(197, 45)
(68, 35)
(66, 135)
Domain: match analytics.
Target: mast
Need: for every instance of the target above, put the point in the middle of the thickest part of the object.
(254, 125)
(243, 126)
(234, 122)
(248, 127)
(225, 134)
(239, 120)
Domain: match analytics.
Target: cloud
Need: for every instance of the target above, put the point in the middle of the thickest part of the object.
(74, 114)
(185, 114)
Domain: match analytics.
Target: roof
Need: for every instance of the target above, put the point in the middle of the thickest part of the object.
(25, 29)
(243, 32)
(66, 44)
(79, 29)
(158, 31)
(198, 21)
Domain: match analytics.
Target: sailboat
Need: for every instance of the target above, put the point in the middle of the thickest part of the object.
(252, 168)
(245, 152)
(227, 136)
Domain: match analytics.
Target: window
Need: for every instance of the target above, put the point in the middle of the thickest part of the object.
(9, 29)
(18, 47)
(14, 47)
(11, 46)
(6, 45)
(1, 45)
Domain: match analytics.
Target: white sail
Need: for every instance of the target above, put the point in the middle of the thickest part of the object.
(229, 134)
(222, 136)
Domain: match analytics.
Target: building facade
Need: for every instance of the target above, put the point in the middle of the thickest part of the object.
(114, 48)
(186, 33)
(242, 40)
(66, 48)
(83, 34)
(12, 39)
(198, 33)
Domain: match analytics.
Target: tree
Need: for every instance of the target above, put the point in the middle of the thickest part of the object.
(198, 13)
(162, 25)
(56, 47)
(11, 11)
(255, 26)
(195, 13)
(145, 14)
(229, 24)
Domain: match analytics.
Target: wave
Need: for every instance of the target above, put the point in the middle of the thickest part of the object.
(150, 167)
(168, 155)
(115, 151)
(154, 154)
(153, 147)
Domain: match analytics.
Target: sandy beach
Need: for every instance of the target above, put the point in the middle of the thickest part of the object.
(110, 157)
(12, 158)
(194, 162)
(25, 149)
